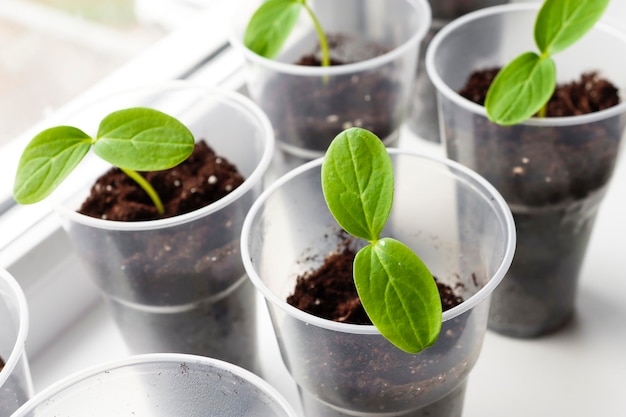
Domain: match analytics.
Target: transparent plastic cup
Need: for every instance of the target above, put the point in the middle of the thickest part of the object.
(193, 296)
(309, 105)
(16, 385)
(165, 384)
(422, 118)
(457, 223)
(553, 172)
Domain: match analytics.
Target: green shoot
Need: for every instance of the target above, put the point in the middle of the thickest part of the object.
(135, 139)
(396, 289)
(524, 86)
(272, 23)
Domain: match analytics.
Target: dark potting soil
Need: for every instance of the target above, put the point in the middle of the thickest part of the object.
(329, 291)
(194, 267)
(369, 374)
(589, 94)
(308, 112)
(553, 178)
(198, 181)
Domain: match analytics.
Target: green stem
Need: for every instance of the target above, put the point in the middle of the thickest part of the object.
(146, 187)
(543, 111)
(321, 37)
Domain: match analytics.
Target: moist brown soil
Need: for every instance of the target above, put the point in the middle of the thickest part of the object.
(329, 291)
(198, 181)
(589, 94)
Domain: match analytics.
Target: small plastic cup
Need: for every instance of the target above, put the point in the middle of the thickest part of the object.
(16, 385)
(309, 105)
(553, 171)
(194, 297)
(422, 119)
(166, 384)
(452, 218)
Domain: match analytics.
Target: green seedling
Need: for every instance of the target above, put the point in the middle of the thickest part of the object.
(272, 23)
(524, 86)
(396, 289)
(134, 139)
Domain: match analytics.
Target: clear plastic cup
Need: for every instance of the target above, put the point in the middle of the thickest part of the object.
(452, 218)
(16, 385)
(166, 384)
(309, 105)
(194, 297)
(553, 172)
(422, 118)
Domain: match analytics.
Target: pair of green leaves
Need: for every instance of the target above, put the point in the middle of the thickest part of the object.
(396, 289)
(273, 22)
(134, 139)
(524, 86)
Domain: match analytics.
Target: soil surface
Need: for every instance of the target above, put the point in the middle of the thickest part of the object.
(589, 94)
(329, 291)
(198, 181)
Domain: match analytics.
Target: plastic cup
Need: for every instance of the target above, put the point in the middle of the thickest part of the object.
(194, 297)
(16, 385)
(422, 118)
(166, 384)
(457, 223)
(309, 105)
(553, 172)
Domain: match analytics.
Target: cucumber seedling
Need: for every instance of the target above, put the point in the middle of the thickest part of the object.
(134, 139)
(272, 23)
(397, 290)
(523, 87)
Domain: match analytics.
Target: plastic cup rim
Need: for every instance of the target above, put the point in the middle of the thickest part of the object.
(142, 359)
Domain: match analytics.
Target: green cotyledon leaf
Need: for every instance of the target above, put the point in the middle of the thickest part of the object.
(143, 139)
(270, 26)
(47, 160)
(357, 181)
(521, 89)
(399, 294)
(560, 23)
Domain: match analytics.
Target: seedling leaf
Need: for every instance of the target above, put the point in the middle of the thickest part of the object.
(271, 25)
(143, 139)
(521, 89)
(560, 23)
(397, 290)
(524, 86)
(357, 181)
(47, 160)
(399, 294)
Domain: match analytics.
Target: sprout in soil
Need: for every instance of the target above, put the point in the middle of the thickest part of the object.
(397, 290)
(524, 86)
(272, 23)
(134, 139)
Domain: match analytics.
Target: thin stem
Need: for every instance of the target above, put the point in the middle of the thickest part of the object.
(145, 185)
(543, 111)
(321, 37)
